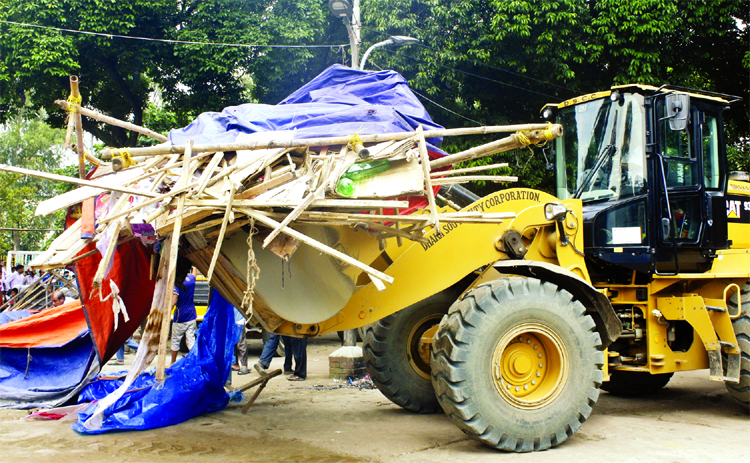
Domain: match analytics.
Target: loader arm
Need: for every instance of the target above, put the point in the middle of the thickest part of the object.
(425, 269)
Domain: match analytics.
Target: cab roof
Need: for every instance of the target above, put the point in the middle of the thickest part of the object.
(648, 89)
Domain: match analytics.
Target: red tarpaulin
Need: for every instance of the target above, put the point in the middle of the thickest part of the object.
(130, 272)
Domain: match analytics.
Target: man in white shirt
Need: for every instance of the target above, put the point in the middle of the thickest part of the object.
(16, 279)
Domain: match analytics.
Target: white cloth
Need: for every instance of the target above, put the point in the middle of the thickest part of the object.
(15, 280)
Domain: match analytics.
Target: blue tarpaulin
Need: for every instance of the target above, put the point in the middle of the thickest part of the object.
(7, 317)
(194, 385)
(51, 369)
(340, 101)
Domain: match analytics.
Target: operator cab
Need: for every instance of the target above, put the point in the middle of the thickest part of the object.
(649, 165)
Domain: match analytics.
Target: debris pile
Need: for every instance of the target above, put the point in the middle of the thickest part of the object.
(271, 183)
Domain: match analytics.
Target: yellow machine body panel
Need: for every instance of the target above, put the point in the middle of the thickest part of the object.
(738, 214)
(459, 250)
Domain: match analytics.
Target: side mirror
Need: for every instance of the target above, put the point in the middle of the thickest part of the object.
(665, 226)
(678, 110)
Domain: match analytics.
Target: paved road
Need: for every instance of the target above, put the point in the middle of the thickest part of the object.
(692, 420)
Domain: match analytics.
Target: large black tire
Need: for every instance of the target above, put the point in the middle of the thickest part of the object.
(635, 383)
(390, 348)
(741, 391)
(507, 335)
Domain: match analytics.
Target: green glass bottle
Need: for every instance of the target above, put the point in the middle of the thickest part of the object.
(357, 172)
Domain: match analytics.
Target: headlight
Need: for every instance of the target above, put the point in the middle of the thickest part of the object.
(554, 211)
(547, 114)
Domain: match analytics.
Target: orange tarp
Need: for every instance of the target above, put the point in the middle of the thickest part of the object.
(51, 327)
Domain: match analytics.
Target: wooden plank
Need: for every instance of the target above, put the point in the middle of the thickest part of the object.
(306, 202)
(188, 217)
(78, 195)
(230, 228)
(265, 186)
(64, 241)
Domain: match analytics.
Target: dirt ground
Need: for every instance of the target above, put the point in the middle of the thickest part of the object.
(692, 420)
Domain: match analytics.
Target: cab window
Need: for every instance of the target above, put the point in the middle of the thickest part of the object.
(710, 140)
(678, 152)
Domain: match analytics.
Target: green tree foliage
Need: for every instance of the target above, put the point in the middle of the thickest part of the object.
(26, 140)
(491, 61)
(117, 75)
(499, 61)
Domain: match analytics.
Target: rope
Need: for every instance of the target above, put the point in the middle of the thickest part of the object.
(252, 271)
(117, 303)
(124, 154)
(74, 103)
(523, 139)
(29, 358)
(354, 140)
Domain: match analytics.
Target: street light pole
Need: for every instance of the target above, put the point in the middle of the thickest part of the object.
(348, 11)
(395, 40)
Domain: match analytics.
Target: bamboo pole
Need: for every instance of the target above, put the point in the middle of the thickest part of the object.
(413, 218)
(62, 178)
(318, 245)
(171, 272)
(306, 202)
(467, 170)
(225, 221)
(473, 178)
(104, 263)
(425, 161)
(334, 203)
(514, 141)
(75, 95)
(113, 121)
(328, 141)
(206, 175)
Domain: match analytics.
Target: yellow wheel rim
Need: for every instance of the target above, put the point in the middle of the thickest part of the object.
(529, 366)
(418, 352)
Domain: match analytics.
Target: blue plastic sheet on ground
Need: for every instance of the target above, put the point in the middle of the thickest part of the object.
(194, 385)
(340, 101)
(46, 376)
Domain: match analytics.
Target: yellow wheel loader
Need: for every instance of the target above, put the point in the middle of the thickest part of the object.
(637, 269)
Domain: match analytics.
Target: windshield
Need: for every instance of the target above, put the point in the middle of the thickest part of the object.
(602, 150)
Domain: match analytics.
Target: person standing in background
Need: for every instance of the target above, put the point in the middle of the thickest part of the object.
(296, 348)
(16, 279)
(184, 316)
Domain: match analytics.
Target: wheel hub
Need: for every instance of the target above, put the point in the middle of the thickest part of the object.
(529, 366)
(418, 344)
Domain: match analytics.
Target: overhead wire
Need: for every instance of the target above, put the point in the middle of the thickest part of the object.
(151, 39)
(476, 75)
(479, 63)
(436, 103)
